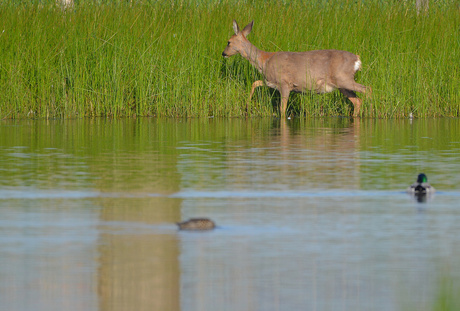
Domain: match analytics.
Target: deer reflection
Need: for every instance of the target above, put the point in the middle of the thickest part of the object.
(319, 152)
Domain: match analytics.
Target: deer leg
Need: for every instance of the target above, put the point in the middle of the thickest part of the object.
(354, 99)
(352, 85)
(254, 85)
(253, 88)
(284, 100)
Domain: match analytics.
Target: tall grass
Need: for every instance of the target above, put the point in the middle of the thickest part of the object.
(156, 59)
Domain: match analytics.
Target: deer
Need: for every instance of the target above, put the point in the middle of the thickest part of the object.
(321, 71)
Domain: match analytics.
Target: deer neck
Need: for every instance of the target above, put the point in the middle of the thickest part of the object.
(255, 56)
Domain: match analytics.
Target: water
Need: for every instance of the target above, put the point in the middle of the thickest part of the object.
(311, 214)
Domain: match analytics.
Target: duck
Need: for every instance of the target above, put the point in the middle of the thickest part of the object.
(197, 224)
(421, 186)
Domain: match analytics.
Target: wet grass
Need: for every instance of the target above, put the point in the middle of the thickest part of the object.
(154, 59)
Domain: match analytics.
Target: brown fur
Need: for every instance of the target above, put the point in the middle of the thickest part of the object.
(321, 71)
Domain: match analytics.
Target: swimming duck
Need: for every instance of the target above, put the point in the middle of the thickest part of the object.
(421, 186)
(197, 224)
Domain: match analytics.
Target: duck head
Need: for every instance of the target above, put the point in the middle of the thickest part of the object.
(422, 178)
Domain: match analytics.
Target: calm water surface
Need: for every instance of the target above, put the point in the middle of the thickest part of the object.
(312, 214)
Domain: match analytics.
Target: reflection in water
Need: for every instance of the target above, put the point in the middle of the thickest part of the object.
(138, 271)
(311, 214)
(287, 155)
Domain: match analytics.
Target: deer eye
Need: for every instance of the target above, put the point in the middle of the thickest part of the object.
(228, 43)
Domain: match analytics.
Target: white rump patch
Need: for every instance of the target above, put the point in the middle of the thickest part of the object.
(358, 65)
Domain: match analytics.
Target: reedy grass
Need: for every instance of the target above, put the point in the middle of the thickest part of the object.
(155, 59)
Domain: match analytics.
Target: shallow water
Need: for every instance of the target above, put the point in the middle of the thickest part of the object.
(311, 214)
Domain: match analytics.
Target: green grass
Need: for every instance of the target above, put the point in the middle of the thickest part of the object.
(143, 58)
(447, 297)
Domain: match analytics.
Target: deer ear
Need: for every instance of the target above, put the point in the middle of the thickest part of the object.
(247, 30)
(236, 29)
